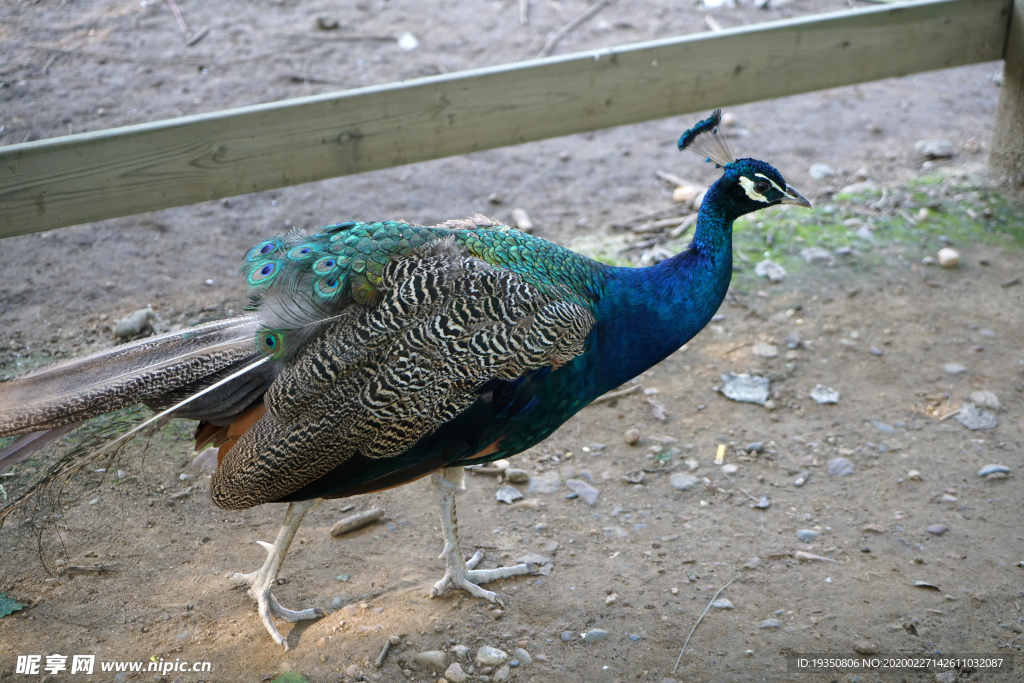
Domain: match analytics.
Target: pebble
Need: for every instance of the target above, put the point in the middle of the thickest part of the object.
(873, 528)
(914, 475)
(948, 258)
(490, 656)
(754, 447)
(597, 447)
(770, 623)
(455, 674)
(523, 656)
(839, 467)
(336, 603)
(801, 480)
(584, 490)
(516, 476)
(946, 676)
(875, 351)
(594, 635)
(765, 350)
(807, 535)
(975, 419)
(522, 220)
(352, 670)
(947, 498)
(723, 603)
(745, 388)
(546, 482)
(343, 578)
(566, 636)
(408, 42)
(121, 474)
(953, 368)
(460, 651)
(753, 563)
(681, 481)
(812, 254)
(985, 399)
(502, 674)
(935, 149)
(133, 323)
(937, 529)
(771, 270)
(730, 469)
(821, 171)
(885, 428)
(432, 659)
(631, 437)
(533, 558)
(327, 22)
(988, 470)
(865, 648)
(763, 504)
(508, 494)
(823, 394)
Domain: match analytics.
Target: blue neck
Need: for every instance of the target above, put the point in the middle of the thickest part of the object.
(646, 314)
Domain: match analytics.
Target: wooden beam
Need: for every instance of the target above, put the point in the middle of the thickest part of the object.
(92, 176)
(1006, 155)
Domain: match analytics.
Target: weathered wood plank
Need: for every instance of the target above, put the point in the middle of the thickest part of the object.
(1007, 150)
(92, 176)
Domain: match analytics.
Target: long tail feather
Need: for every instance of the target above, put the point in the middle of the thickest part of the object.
(27, 444)
(81, 388)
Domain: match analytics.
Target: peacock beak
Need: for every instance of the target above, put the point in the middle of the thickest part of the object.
(794, 197)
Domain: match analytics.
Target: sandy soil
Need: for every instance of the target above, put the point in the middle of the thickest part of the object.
(662, 553)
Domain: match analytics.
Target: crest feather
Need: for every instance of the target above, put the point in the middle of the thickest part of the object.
(706, 140)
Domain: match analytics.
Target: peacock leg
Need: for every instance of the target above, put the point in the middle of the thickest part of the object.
(262, 581)
(460, 574)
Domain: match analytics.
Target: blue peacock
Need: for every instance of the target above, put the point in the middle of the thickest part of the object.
(372, 354)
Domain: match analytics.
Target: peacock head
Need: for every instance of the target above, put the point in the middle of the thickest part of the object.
(747, 184)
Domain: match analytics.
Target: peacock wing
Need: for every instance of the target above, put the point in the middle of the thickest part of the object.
(374, 379)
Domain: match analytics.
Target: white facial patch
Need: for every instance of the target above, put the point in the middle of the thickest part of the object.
(748, 187)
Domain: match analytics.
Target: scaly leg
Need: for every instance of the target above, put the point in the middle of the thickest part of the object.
(261, 581)
(460, 574)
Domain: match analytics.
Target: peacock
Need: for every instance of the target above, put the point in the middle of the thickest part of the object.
(373, 354)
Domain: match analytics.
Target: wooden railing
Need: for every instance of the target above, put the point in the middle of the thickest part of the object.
(104, 174)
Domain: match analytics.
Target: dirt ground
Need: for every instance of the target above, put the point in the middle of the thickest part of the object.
(77, 66)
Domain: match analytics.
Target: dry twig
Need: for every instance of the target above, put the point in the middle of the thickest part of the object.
(687, 641)
(589, 12)
(616, 394)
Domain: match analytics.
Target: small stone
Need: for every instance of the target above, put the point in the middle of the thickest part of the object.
(947, 498)
(435, 660)
(491, 656)
(821, 171)
(839, 467)
(857, 188)
(985, 399)
(771, 270)
(455, 674)
(865, 649)
(533, 558)
(948, 258)
(681, 481)
(770, 623)
(914, 475)
(594, 635)
(352, 670)
(508, 494)
(566, 636)
(873, 529)
(812, 254)
(745, 388)
(584, 490)
(989, 470)
(337, 603)
(753, 563)
(686, 193)
(523, 656)
(765, 350)
(823, 394)
(327, 22)
(502, 673)
(522, 221)
(935, 149)
(121, 474)
(975, 419)
(546, 482)
(937, 529)
(953, 368)
(408, 42)
(807, 535)
(885, 428)
(460, 651)
(754, 447)
(928, 261)
(946, 676)
(730, 469)
(631, 437)
(763, 503)
(343, 578)
(133, 323)
(516, 476)
(875, 351)
(723, 603)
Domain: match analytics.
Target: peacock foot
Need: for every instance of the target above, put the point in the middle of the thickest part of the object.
(262, 581)
(463, 575)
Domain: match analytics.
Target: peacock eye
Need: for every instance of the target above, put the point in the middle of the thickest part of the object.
(762, 187)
